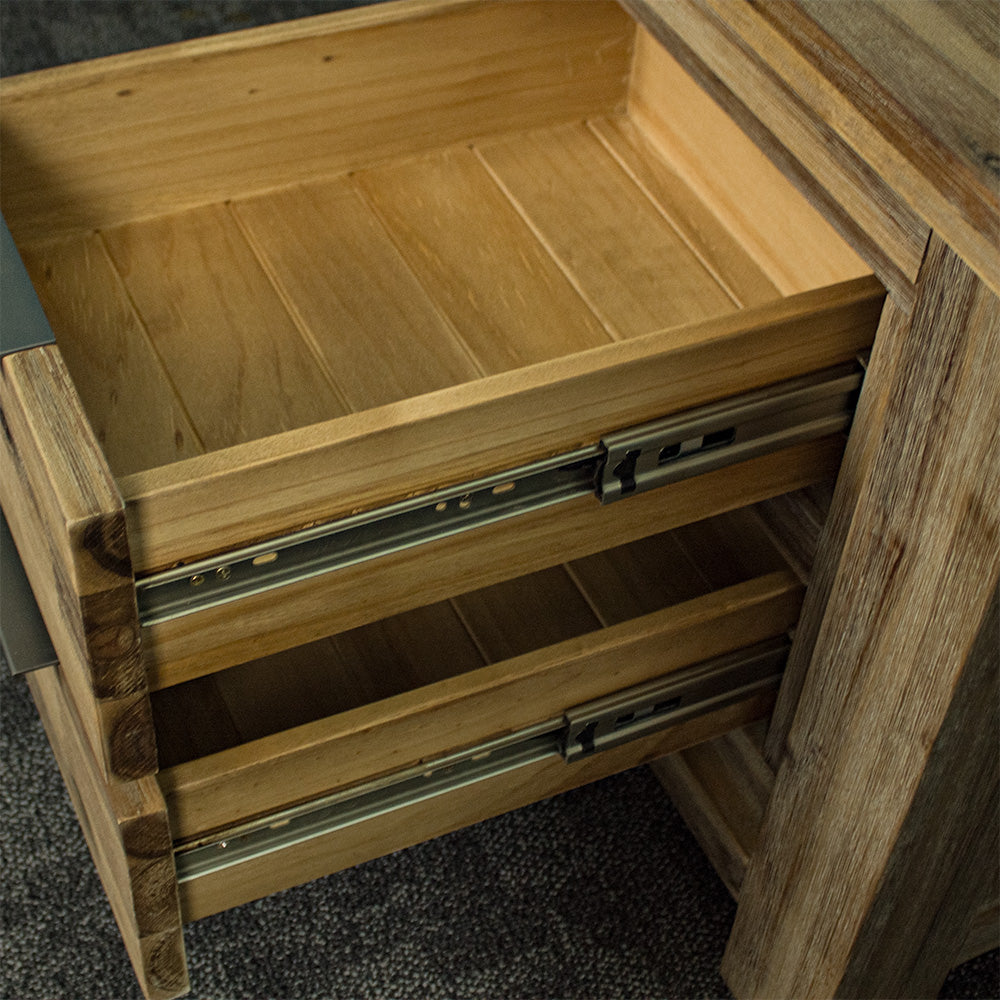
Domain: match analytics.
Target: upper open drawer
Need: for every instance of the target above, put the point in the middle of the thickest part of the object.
(309, 270)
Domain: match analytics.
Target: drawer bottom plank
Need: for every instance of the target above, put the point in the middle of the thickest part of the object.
(450, 811)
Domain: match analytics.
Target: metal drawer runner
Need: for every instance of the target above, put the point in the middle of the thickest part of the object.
(580, 732)
(621, 465)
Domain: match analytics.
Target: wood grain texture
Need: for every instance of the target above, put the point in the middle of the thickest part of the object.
(128, 397)
(126, 828)
(945, 865)
(479, 261)
(210, 640)
(859, 456)
(620, 252)
(461, 711)
(67, 519)
(530, 612)
(915, 89)
(721, 788)
(919, 566)
(635, 579)
(862, 205)
(239, 362)
(404, 827)
(379, 335)
(787, 237)
(219, 501)
(149, 133)
(700, 228)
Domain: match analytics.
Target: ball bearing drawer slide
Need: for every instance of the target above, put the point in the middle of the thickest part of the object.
(622, 464)
(582, 731)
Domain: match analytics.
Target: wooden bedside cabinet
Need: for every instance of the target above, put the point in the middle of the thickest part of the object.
(437, 394)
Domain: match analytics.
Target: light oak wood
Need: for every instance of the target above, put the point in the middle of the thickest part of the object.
(207, 641)
(919, 566)
(795, 522)
(379, 335)
(235, 355)
(127, 394)
(125, 825)
(863, 206)
(619, 251)
(702, 143)
(213, 502)
(103, 143)
(404, 827)
(535, 687)
(480, 262)
(731, 548)
(637, 578)
(721, 788)
(700, 228)
(530, 612)
(67, 520)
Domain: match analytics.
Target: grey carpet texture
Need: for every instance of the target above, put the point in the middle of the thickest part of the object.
(598, 893)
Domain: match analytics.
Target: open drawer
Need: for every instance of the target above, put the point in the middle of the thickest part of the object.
(361, 324)
(319, 269)
(293, 765)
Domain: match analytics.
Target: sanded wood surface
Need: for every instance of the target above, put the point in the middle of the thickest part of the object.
(919, 566)
(379, 335)
(863, 206)
(623, 255)
(451, 811)
(637, 578)
(210, 640)
(516, 616)
(703, 143)
(126, 828)
(721, 789)
(237, 359)
(698, 225)
(213, 502)
(127, 394)
(310, 682)
(535, 687)
(150, 133)
(67, 518)
(476, 256)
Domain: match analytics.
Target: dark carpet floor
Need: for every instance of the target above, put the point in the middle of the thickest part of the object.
(599, 893)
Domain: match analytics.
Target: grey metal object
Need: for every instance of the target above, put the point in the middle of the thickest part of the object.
(696, 690)
(733, 430)
(624, 463)
(639, 711)
(364, 802)
(23, 323)
(306, 554)
(23, 636)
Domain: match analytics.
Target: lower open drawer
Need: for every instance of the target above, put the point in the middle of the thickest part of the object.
(385, 735)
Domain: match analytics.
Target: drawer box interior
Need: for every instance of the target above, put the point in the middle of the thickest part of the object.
(254, 740)
(322, 267)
